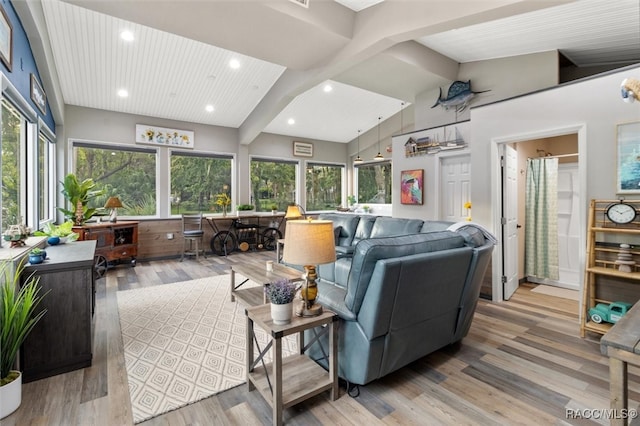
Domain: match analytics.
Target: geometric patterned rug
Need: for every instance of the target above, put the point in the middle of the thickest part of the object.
(184, 342)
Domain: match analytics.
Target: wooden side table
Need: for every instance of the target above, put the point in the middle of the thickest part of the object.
(303, 377)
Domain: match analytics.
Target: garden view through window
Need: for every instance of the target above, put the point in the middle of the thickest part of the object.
(374, 183)
(273, 183)
(196, 180)
(324, 186)
(128, 173)
(13, 151)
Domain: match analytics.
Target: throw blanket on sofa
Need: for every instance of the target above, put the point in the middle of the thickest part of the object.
(461, 225)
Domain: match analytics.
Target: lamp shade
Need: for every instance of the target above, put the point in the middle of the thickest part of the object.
(309, 242)
(293, 212)
(113, 203)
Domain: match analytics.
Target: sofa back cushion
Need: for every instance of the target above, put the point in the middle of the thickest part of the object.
(347, 224)
(435, 225)
(393, 227)
(368, 252)
(363, 231)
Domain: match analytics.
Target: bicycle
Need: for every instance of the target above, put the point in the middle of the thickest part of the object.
(242, 236)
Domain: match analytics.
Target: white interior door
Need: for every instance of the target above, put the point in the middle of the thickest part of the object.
(455, 183)
(509, 221)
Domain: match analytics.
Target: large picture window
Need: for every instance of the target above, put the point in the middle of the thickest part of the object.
(374, 183)
(128, 173)
(273, 183)
(14, 134)
(196, 179)
(324, 186)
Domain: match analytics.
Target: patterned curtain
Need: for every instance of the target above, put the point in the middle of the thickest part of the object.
(541, 218)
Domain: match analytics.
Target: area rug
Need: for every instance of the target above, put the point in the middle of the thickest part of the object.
(557, 292)
(183, 342)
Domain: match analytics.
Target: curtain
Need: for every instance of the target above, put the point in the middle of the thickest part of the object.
(541, 218)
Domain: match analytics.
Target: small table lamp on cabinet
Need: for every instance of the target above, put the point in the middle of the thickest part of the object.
(114, 204)
(309, 243)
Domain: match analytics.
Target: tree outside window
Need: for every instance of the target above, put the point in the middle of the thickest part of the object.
(196, 179)
(374, 183)
(272, 183)
(324, 186)
(128, 173)
(13, 150)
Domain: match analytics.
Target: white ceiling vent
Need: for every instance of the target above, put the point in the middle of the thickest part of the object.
(303, 3)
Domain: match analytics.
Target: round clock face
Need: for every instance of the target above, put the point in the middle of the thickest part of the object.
(621, 213)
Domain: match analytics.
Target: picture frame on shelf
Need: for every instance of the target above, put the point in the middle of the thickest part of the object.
(6, 39)
(302, 149)
(412, 186)
(628, 167)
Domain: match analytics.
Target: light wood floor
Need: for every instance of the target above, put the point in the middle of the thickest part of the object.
(523, 362)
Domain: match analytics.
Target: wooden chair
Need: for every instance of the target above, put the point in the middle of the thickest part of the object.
(193, 234)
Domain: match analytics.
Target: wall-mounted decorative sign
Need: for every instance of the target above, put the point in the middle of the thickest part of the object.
(152, 135)
(6, 39)
(38, 96)
(411, 186)
(302, 149)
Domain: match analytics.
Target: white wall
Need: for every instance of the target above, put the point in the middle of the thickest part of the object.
(591, 108)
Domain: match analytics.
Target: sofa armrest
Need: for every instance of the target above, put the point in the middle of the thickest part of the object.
(344, 251)
(332, 297)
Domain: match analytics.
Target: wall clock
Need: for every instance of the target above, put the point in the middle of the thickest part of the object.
(621, 213)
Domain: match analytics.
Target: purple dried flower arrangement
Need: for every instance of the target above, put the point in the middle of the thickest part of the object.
(280, 292)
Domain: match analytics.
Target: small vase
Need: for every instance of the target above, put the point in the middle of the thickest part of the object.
(35, 259)
(281, 314)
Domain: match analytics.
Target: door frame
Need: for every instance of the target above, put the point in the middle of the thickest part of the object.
(496, 194)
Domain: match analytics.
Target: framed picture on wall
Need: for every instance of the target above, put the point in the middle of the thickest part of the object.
(412, 186)
(628, 170)
(6, 39)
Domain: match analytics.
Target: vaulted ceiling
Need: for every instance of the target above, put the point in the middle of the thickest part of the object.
(333, 67)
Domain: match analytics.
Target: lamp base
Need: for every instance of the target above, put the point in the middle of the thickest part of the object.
(303, 311)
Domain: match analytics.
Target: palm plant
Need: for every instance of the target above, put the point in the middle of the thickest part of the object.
(17, 314)
(78, 194)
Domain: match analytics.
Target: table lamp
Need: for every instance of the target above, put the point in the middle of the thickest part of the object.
(114, 204)
(294, 211)
(309, 243)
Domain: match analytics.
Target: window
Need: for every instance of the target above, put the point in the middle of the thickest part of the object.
(324, 186)
(128, 173)
(272, 183)
(46, 177)
(374, 183)
(14, 131)
(196, 179)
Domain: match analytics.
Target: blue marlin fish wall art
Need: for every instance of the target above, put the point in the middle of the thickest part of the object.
(458, 96)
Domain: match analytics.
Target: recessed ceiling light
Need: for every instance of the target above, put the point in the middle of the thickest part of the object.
(123, 93)
(234, 63)
(291, 121)
(209, 108)
(327, 88)
(126, 35)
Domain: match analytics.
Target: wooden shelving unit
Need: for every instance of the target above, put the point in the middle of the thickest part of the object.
(603, 246)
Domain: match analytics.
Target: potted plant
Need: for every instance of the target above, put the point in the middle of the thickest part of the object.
(18, 305)
(281, 294)
(78, 194)
(274, 208)
(37, 255)
(57, 233)
(244, 208)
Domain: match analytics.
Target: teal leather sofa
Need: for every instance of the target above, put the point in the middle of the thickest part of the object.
(402, 288)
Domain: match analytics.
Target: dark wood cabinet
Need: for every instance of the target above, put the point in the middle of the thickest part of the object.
(62, 339)
(115, 242)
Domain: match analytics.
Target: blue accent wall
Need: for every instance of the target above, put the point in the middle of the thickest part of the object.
(23, 64)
